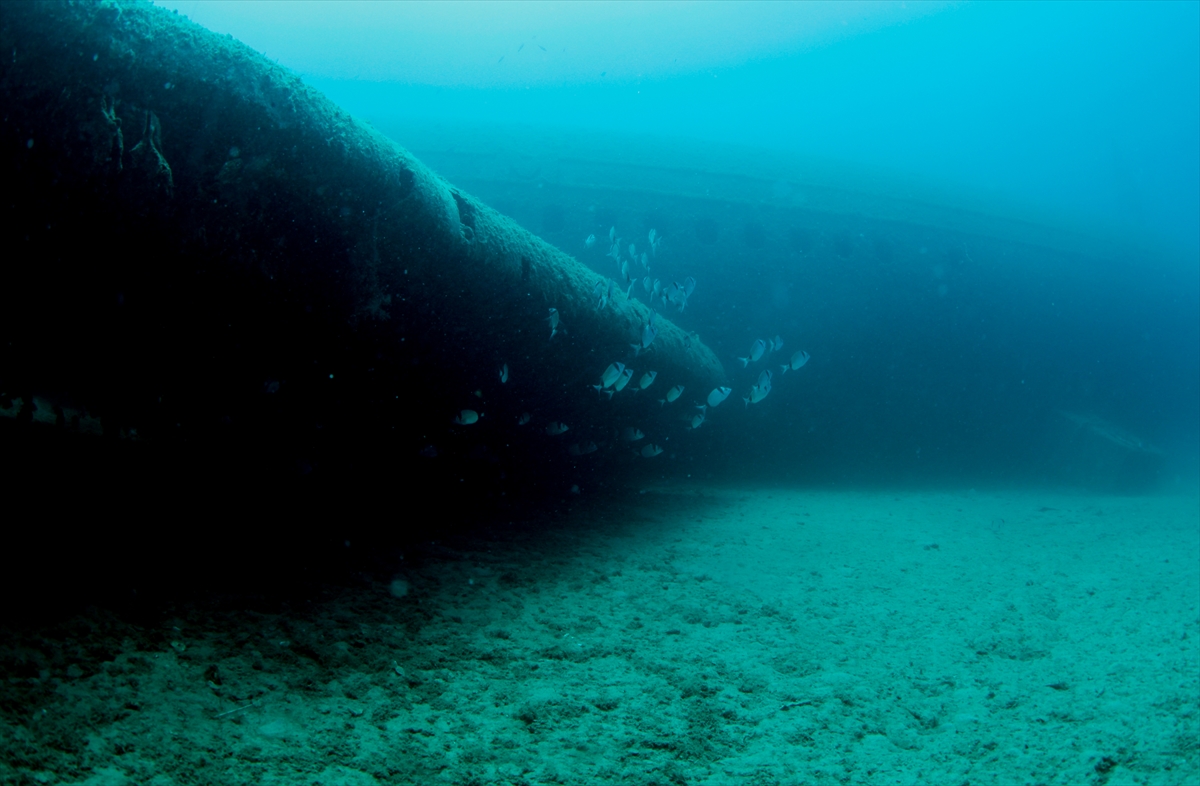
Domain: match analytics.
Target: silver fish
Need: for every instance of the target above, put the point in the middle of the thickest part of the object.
(553, 320)
(645, 262)
(798, 360)
(756, 352)
(591, 241)
(649, 332)
(632, 251)
(647, 380)
(606, 295)
(764, 379)
(673, 293)
(697, 421)
(525, 418)
(776, 344)
(672, 394)
(582, 448)
(646, 284)
(611, 374)
(556, 428)
(620, 384)
(631, 434)
(650, 451)
(466, 417)
(757, 394)
(612, 235)
(625, 270)
(718, 395)
(504, 374)
(681, 292)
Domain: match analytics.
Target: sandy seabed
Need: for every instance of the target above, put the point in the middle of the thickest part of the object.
(687, 636)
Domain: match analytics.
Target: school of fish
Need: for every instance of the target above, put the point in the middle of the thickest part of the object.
(618, 375)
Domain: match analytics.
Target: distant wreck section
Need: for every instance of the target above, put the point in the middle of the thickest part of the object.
(192, 231)
(1096, 453)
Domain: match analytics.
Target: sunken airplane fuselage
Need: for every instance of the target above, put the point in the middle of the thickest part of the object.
(219, 226)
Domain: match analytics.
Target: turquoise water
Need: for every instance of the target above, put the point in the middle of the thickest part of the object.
(1085, 110)
(262, 527)
(940, 345)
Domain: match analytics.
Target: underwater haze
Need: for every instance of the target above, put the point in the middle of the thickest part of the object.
(1085, 110)
(646, 393)
(935, 357)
